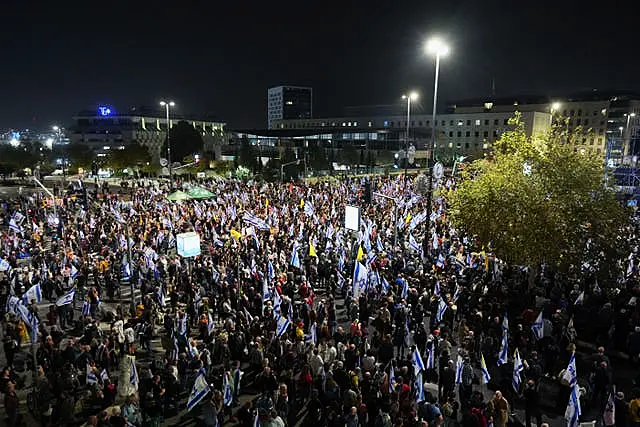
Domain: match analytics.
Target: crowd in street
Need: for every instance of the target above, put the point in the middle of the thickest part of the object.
(286, 317)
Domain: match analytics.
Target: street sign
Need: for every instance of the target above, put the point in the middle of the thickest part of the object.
(438, 170)
(188, 244)
(200, 174)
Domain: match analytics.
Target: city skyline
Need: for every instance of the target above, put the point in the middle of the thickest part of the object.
(221, 59)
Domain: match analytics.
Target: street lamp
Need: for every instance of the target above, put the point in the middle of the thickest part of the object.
(168, 104)
(58, 132)
(411, 97)
(555, 107)
(434, 46)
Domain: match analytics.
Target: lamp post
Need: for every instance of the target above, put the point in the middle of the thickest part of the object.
(58, 132)
(628, 135)
(410, 97)
(434, 46)
(166, 105)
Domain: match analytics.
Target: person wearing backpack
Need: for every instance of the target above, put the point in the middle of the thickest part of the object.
(429, 412)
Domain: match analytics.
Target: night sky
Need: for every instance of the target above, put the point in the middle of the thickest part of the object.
(219, 57)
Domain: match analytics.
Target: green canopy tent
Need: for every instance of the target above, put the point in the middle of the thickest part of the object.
(200, 193)
(178, 196)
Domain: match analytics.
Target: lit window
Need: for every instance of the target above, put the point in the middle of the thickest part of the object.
(370, 124)
(349, 124)
(460, 122)
(106, 147)
(344, 123)
(451, 145)
(386, 123)
(289, 102)
(477, 122)
(485, 146)
(355, 123)
(488, 105)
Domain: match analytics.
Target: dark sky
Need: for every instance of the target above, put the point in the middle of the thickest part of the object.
(219, 57)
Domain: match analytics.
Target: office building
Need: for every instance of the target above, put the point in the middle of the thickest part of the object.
(105, 129)
(289, 103)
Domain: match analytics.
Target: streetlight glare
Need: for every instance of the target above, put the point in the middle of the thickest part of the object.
(436, 46)
(555, 106)
(170, 104)
(56, 128)
(632, 114)
(412, 96)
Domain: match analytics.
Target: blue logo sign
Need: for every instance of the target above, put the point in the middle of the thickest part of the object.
(104, 110)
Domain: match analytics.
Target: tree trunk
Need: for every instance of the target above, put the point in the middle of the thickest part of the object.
(533, 274)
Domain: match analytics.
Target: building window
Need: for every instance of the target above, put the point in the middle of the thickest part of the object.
(486, 133)
(344, 124)
(468, 122)
(370, 124)
(444, 123)
(413, 123)
(450, 134)
(459, 134)
(495, 133)
(386, 123)
(466, 145)
(451, 145)
(486, 122)
(579, 113)
(420, 123)
(477, 122)
(485, 146)
(428, 122)
(391, 124)
(468, 134)
(460, 122)
(591, 141)
(450, 122)
(599, 150)
(477, 134)
(495, 122)
(355, 123)
(572, 112)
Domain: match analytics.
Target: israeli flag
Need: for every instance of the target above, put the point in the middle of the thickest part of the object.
(312, 338)
(271, 273)
(91, 377)
(295, 258)
(277, 302)
(14, 226)
(459, 366)
(282, 325)
(571, 374)
(161, 297)
(266, 294)
(66, 298)
(580, 299)
(416, 361)
(86, 308)
(457, 293)
(12, 303)
(210, 325)
(385, 285)
(517, 368)
(405, 288)
(18, 217)
(573, 411)
(340, 280)
(442, 308)
(436, 289)
(504, 345)
(237, 378)
(74, 272)
(33, 293)
(193, 351)
(360, 275)
(34, 327)
(133, 374)
(256, 420)
(176, 350)
(104, 376)
(4, 265)
(379, 244)
(414, 245)
(419, 388)
(228, 394)
(182, 324)
(430, 357)
(485, 372)
(392, 380)
(308, 209)
(538, 327)
(198, 392)
(440, 261)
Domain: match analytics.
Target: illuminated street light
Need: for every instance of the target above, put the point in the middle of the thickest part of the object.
(411, 97)
(168, 104)
(436, 46)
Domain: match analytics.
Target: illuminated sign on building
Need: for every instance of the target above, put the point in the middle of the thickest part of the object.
(104, 110)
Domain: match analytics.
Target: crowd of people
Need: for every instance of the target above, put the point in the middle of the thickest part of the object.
(286, 317)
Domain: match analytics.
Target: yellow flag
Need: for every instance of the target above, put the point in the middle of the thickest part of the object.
(235, 234)
(312, 250)
(266, 203)
(360, 256)
(408, 218)
(301, 203)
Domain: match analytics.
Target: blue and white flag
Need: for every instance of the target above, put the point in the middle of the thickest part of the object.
(176, 349)
(74, 272)
(570, 375)
(33, 293)
(104, 376)
(416, 361)
(340, 280)
(430, 357)
(440, 261)
(459, 367)
(580, 299)
(271, 273)
(226, 389)
(86, 308)
(66, 298)
(504, 345)
(312, 337)
(405, 288)
(436, 289)
(295, 258)
(538, 327)
(414, 245)
(308, 208)
(18, 217)
(266, 293)
(198, 392)
(12, 303)
(4, 265)
(14, 226)
(442, 308)
(573, 411)
(392, 380)
(517, 368)
(193, 351)
(253, 220)
(419, 387)
(91, 377)
(210, 325)
(133, 374)
(256, 420)
(385, 285)
(161, 297)
(485, 372)
(457, 293)
(379, 245)
(360, 276)
(277, 303)
(282, 325)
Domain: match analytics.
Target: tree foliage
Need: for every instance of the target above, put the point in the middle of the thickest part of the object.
(133, 155)
(78, 154)
(556, 212)
(185, 141)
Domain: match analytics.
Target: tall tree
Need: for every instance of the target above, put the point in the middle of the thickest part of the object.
(247, 155)
(78, 154)
(538, 200)
(185, 141)
(132, 155)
